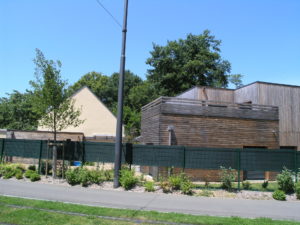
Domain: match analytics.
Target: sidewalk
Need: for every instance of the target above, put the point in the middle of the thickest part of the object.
(156, 202)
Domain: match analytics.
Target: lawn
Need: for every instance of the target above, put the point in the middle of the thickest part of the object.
(24, 211)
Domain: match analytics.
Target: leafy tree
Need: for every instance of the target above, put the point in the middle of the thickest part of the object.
(16, 112)
(188, 62)
(51, 99)
(97, 82)
(236, 79)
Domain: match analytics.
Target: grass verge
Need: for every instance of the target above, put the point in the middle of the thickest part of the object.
(34, 216)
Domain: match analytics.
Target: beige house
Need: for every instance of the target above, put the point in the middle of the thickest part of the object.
(99, 122)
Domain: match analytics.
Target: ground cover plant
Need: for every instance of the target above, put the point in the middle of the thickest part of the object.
(128, 179)
(227, 176)
(34, 215)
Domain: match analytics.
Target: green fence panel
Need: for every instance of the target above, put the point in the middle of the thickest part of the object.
(210, 158)
(99, 152)
(154, 155)
(267, 159)
(22, 148)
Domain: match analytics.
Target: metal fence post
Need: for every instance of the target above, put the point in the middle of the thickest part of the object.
(83, 152)
(183, 159)
(2, 150)
(239, 168)
(40, 156)
(296, 166)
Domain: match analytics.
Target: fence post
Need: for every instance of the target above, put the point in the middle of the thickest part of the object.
(239, 168)
(40, 156)
(2, 149)
(296, 166)
(83, 152)
(183, 159)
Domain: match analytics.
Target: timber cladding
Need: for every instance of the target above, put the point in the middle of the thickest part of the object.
(208, 124)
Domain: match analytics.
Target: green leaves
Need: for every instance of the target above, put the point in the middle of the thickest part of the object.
(182, 64)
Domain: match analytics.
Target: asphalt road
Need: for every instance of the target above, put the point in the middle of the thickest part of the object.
(151, 201)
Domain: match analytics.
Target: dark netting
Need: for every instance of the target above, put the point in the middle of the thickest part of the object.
(267, 160)
(99, 152)
(22, 148)
(298, 160)
(154, 155)
(210, 158)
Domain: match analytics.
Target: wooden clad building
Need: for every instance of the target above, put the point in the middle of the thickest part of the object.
(205, 123)
(285, 97)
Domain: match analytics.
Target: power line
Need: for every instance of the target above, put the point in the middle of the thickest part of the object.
(107, 11)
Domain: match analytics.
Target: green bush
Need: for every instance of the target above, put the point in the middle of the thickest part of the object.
(165, 186)
(9, 171)
(285, 181)
(72, 176)
(246, 185)
(187, 187)
(28, 173)
(35, 176)
(19, 174)
(149, 186)
(175, 182)
(109, 175)
(297, 190)
(227, 177)
(265, 184)
(97, 176)
(127, 179)
(279, 195)
(32, 167)
(84, 177)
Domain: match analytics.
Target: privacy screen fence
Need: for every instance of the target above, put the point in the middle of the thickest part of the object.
(153, 155)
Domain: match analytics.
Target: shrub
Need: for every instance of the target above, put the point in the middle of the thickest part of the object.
(127, 179)
(285, 181)
(32, 167)
(227, 177)
(149, 186)
(28, 173)
(279, 195)
(8, 172)
(187, 187)
(35, 176)
(96, 176)
(246, 185)
(175, 182)
(165, 186)
(72, 176)
(109, 175)
(265, 184)
(84, 177)
(19, 174)
(297, 190)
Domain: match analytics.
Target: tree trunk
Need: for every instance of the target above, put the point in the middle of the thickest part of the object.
(54, 163)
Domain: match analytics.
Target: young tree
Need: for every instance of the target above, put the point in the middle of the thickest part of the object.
(52, 100)
(182, 64)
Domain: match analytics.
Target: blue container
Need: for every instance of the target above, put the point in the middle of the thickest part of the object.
(77, 163)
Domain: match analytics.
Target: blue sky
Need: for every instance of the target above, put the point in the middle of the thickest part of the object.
(261, 38)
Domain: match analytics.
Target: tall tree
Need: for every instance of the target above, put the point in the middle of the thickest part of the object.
(182, 64)
(16, 112)
(52, 99)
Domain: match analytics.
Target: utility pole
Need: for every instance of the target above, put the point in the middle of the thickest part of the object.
(119, 131)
